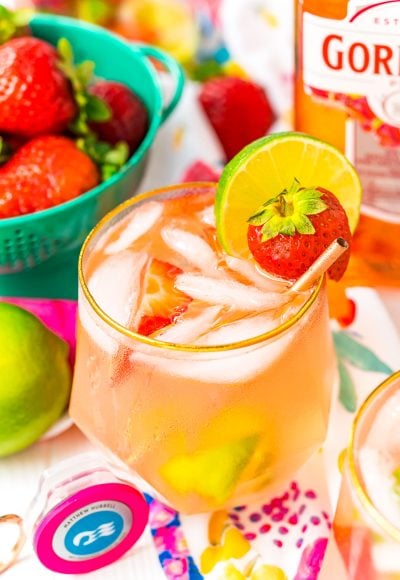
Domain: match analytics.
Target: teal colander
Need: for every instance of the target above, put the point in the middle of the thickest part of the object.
(39, 251)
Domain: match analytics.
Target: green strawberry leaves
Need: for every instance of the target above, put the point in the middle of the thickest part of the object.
(288, 212)
(13, 23)
(90, 108)
(350, 351)
(109, 158)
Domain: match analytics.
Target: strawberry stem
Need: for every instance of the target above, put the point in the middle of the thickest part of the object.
(108, 158)
(287, 213)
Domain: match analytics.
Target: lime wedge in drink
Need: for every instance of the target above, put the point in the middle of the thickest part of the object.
(269, 165)
(212, 473)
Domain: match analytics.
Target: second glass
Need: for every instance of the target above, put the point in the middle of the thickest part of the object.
(208, 425)
(367, 520)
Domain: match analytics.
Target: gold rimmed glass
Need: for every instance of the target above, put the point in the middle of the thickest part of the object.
(367, 538)
(203, 426)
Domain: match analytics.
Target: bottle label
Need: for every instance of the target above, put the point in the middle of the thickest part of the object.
(354, 64)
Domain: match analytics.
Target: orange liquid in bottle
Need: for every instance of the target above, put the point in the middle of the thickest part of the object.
(347, 93)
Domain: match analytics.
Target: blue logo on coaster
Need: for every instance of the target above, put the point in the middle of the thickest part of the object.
(94, 533)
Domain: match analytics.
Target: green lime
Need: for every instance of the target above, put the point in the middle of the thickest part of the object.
(268, 166)
(35, 378)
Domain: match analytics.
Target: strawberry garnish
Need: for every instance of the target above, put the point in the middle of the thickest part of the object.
(239, 111)
(288, 233)
(44, 172)
(129, 119)
(162, 302)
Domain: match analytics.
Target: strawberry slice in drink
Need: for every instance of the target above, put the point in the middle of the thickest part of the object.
(162, 302)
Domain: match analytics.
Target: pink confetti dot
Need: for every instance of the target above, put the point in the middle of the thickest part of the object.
(282, 530)
(265, 529)
(240, 508)
(277, 517)
(239, 527)
(255, 517)
(302, 509)
(326, 516)
(250, 536)
(311, 494)
(293, 520)
(299, 543)
(234, 517)
(315, 520)
(278, 543)
(267, 509)
(304, 529)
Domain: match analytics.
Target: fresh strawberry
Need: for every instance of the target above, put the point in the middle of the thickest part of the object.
(288, 233)
(46, 171)
(200, 171)
(129, 121)
(35, 96)
(162, 302)
(239, 111)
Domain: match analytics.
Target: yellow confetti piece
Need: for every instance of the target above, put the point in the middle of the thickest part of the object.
(232, 573)
(177, 138)
(269, 18)
(216, 526)
(265, 572)
(233, 546)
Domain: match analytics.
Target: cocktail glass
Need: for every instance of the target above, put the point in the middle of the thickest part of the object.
(204, 426)
(367, 520)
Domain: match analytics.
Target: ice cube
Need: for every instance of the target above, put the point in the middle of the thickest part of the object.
(115, 285)
(233, 366)
(140, 222)
(192, 247)
(188, 327)
(242, 329)
(207, 216)
(229, 292)
(249, 271)
(377, 467)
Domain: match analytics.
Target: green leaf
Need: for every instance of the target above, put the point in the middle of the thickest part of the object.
(84, 72)
(65, 50)
(303, 224)
(13, 24)
(358, 355)
(311, 206)
(97, 109)
(260, 218)
(347, 391)
(119, 155)
(206, 70)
